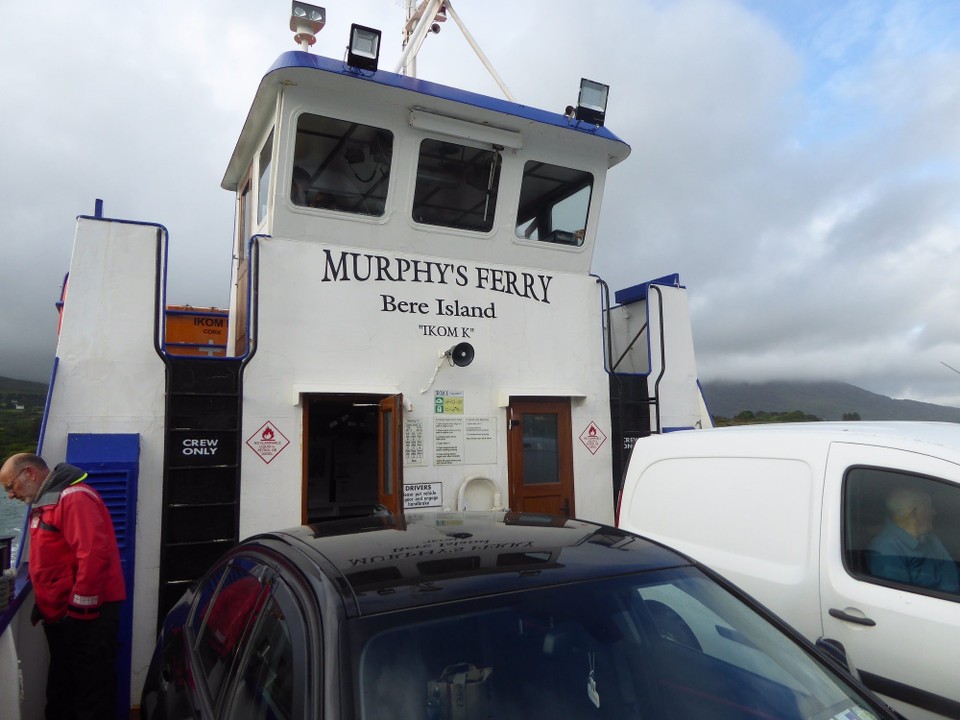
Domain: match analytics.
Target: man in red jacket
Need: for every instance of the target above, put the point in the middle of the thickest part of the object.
(77, 584)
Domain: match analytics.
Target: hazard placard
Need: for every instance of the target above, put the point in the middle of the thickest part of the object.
(592, 438)
(267, 442)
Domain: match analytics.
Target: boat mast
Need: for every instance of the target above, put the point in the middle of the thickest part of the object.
(426, 17)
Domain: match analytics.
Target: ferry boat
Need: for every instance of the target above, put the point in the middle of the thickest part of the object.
(413, 324)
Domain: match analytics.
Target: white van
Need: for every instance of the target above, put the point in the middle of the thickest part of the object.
(797, 516)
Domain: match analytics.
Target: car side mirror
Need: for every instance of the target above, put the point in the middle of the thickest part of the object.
(835, 650)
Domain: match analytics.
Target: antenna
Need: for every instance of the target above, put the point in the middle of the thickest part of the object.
(426, 18)
(952, 368)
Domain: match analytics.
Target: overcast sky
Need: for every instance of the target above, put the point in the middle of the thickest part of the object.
(796, 161)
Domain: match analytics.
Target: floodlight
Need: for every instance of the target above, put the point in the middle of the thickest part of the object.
(592, 105)
(306, 21)
(364, 50)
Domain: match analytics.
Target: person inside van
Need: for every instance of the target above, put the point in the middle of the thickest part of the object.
(907, 551)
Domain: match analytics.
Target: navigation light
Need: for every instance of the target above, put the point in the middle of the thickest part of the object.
(306, 21)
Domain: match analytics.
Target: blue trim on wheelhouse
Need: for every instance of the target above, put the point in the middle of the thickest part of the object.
(300, 59)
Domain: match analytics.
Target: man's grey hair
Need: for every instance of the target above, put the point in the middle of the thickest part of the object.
(902, 501)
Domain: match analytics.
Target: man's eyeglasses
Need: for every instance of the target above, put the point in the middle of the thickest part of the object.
(9, 488)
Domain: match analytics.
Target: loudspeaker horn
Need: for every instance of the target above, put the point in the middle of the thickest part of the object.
(461, 354)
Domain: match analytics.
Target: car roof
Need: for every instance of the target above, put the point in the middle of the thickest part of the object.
(387, 562)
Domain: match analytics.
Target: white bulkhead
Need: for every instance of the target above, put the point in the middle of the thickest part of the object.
(359, 287)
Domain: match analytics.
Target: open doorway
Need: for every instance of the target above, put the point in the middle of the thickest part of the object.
(351, 459)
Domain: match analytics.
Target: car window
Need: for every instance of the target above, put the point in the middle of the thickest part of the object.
(902, 529)
(264, 686)
(221, 619)
(665, 644)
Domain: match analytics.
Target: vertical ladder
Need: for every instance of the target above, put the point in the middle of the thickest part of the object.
(629, 418)
(201, 470)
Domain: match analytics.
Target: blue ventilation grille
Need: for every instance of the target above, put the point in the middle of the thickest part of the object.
(114, 489)
(112, 463)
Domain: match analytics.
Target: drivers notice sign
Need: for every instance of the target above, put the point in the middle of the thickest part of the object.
(592, 438)
(267, 442)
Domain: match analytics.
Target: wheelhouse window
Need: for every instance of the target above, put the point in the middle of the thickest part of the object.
(456, 186)
(554, 202)
(341, 165)
(263, 184)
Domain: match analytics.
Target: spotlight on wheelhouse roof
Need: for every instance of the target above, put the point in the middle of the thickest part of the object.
(306, 21)
(592, 105)
(364, 50)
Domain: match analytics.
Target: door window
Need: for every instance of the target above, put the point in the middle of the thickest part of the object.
(903, 529)
(245, 229)
(541, 463)
(391, 463)
(263, 181)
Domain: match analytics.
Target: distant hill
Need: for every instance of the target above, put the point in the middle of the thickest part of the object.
(26, 387)
(826, 400)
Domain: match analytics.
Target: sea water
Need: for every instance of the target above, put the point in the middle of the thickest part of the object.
(11, 522)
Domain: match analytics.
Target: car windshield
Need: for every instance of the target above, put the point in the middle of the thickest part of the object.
(667, 644)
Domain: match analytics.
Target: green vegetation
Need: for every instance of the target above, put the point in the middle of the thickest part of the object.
(21, 414)
(749, 417)
(20, 428)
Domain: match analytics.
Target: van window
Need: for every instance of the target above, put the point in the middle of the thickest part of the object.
(341, 165)
(456, 186)
(903, 529)
(554, 202)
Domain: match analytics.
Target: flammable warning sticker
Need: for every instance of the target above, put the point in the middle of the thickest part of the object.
(592, 437)
(267, 442)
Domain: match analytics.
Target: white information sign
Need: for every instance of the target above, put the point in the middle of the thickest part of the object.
(448, 441)
(480, 440)
(422, 495)
(413, 442)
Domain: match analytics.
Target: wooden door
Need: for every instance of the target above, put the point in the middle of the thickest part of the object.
(540, 451)
(390, 492)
